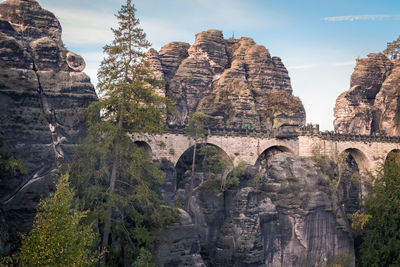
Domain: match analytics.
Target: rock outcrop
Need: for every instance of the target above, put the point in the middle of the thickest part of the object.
(371, 105)
(43, 92)
(235, 81)
(179, 244)
(283, 213)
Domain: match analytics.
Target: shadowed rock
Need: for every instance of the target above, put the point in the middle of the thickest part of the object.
(43, 92)
(371, 105)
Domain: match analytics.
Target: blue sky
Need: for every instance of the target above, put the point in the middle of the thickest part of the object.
(318, 40)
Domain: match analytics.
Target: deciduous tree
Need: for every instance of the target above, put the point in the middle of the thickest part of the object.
(58, 236)
(196, 129)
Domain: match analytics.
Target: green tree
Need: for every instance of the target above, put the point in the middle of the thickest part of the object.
(196, 129)
(393, 49)
(9, 165)
(381, 242)
(115, 178)
(58, 236)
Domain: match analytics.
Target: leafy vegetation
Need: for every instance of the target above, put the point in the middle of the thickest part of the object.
(380, 243)
(196, 129)
(9, 165)
(58, 236)
(115, 179)
(214, 167)
(393, 49)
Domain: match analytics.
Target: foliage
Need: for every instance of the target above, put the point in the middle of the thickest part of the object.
(359, 220)
(335, 165)
(9, 165)
(58, 236)
(116, 179)
(257, 181)
(380, 244)
(280, 102)
(341, 260)
(340, 161)
(393, 49)
(212, 161)
(196, 127)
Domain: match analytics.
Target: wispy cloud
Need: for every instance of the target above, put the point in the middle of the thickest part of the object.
(85, 27)
(344, 63)
(307, 66)
(362, 17)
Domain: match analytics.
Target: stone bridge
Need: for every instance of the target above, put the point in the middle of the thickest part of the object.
(247, 145)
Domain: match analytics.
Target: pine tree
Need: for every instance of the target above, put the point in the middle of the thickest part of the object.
(114, 177)
(381, 242)
(58, 237)
(393, 49)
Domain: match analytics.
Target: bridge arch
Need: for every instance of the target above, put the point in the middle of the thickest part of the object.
(393, 152)
(184, 162)
(146, 147)
(271, 151)
(359, 157)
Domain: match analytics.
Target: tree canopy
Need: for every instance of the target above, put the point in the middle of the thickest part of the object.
(393, 49)
(58, 236)
(114, 177)
(380, 244)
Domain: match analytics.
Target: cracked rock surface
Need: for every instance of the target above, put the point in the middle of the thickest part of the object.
(372, 104)
(283, 213)
(43, 92)
(235, 81)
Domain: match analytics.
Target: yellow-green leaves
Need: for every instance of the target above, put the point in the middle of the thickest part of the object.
(58, 238)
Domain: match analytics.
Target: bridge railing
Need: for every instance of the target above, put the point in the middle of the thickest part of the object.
(291, 131)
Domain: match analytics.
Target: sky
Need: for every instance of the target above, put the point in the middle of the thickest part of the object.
(317, 40)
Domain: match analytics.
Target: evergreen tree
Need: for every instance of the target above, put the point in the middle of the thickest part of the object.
(381, 242)
(114, 177)
(58, 237)
(393, 49)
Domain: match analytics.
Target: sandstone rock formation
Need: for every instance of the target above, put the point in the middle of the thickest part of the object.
(43, 92)
(371, 105)
(179, 244)
(235, 81)
(285, 213)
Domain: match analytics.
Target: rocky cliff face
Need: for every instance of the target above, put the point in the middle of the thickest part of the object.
(283, 213)
(43, 92)
(371, 105)
(235, 81)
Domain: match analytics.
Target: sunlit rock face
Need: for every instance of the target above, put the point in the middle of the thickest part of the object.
(371, 105)
(43, 92)
(235, 81)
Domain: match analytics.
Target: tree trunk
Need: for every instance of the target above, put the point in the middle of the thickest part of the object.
(107, 218)
(191, 179)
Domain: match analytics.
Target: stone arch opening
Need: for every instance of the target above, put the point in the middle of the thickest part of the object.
(395, 154)
(351, 166)
(206, 153)
(146, 147)
(359, 158)
(266, 156)
(207, 204)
